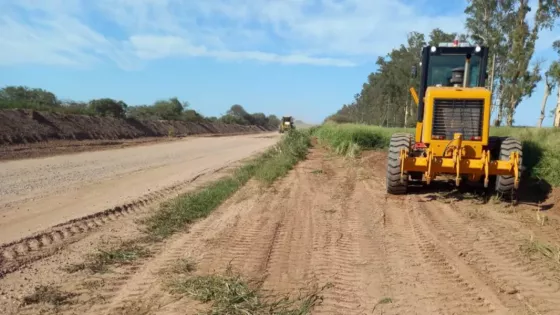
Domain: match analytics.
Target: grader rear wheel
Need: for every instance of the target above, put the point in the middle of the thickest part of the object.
(395, 185)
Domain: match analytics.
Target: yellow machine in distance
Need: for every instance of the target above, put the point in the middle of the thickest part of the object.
(287, 123)
(453, 126)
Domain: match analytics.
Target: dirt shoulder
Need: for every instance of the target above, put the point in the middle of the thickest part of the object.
(329, 221)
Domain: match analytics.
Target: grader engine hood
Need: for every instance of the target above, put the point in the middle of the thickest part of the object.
(450, 110)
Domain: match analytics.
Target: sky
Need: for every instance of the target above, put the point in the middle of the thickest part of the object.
(304, 58)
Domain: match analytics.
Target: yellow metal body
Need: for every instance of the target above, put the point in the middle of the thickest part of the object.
(457, 156)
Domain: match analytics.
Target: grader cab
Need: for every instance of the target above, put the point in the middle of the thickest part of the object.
(453, 126)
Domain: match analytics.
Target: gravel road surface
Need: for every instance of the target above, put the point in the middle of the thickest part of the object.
(36, 194)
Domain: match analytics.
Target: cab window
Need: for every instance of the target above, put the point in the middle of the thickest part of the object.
(440, 67)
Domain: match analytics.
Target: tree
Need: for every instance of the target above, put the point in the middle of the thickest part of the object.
(192, 115)
(385, 98)
(273, 122)
(438, 36)
(108, 107)
(28, 97)
(554, 73)
(75, 107)
(231, 119)
(548, 87)
(490, 22)
(170, 109)
(242, 115)
(519, 81)
(259, 119)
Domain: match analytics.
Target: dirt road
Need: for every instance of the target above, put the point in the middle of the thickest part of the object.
(330, 221)
(36, 194)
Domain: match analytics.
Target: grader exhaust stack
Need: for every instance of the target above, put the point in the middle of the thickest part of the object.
(453, 126)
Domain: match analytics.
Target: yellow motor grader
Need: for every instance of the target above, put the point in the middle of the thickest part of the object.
(453, 126)
(287, 123)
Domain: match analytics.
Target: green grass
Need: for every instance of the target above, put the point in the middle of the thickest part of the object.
(541, 150)
(350, 139)
(233, 295)
(174, 215)
(541, 147)
(122, 254)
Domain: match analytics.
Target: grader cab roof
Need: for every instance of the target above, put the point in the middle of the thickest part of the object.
(439, 63)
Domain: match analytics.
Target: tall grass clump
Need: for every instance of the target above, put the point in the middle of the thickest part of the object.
(284, 156)
(350, 139)
(541, 150)
(274, 163)
(233, 295)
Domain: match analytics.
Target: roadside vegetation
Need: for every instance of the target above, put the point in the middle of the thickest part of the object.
(22, 97)
(541, 146)
(274, 163)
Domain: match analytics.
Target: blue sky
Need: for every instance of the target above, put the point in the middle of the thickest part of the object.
(299, 57)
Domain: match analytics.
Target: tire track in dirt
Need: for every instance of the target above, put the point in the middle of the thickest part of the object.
(494, 250)
(336, 248)
(404, 277)
(422, 275)
(292, 243)
(127, 290)
(19, 253)
(247, 246)
(468, 292)
(145, 284)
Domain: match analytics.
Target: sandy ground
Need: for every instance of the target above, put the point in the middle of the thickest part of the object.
(330, 221)
(36, 194)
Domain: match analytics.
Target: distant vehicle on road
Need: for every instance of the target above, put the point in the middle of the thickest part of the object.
(287, 123)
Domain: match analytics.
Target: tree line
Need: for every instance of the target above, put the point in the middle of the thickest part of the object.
(22, 97)
(510, 32)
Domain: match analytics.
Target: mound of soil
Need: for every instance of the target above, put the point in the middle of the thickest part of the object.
(28, 126)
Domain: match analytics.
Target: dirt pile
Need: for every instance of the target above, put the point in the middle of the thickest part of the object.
(29, 126)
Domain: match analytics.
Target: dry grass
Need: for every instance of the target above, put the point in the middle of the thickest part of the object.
(475, 212)
(533, 246)
(233, 295)
(52, 295)
(122, 254)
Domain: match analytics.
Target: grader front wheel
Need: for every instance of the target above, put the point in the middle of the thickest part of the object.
(396, 185)
(505, 183)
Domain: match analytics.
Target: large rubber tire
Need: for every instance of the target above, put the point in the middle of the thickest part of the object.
(505, 184)
(398, 142)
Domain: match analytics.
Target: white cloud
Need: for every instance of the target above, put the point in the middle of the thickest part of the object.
(128, 32)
